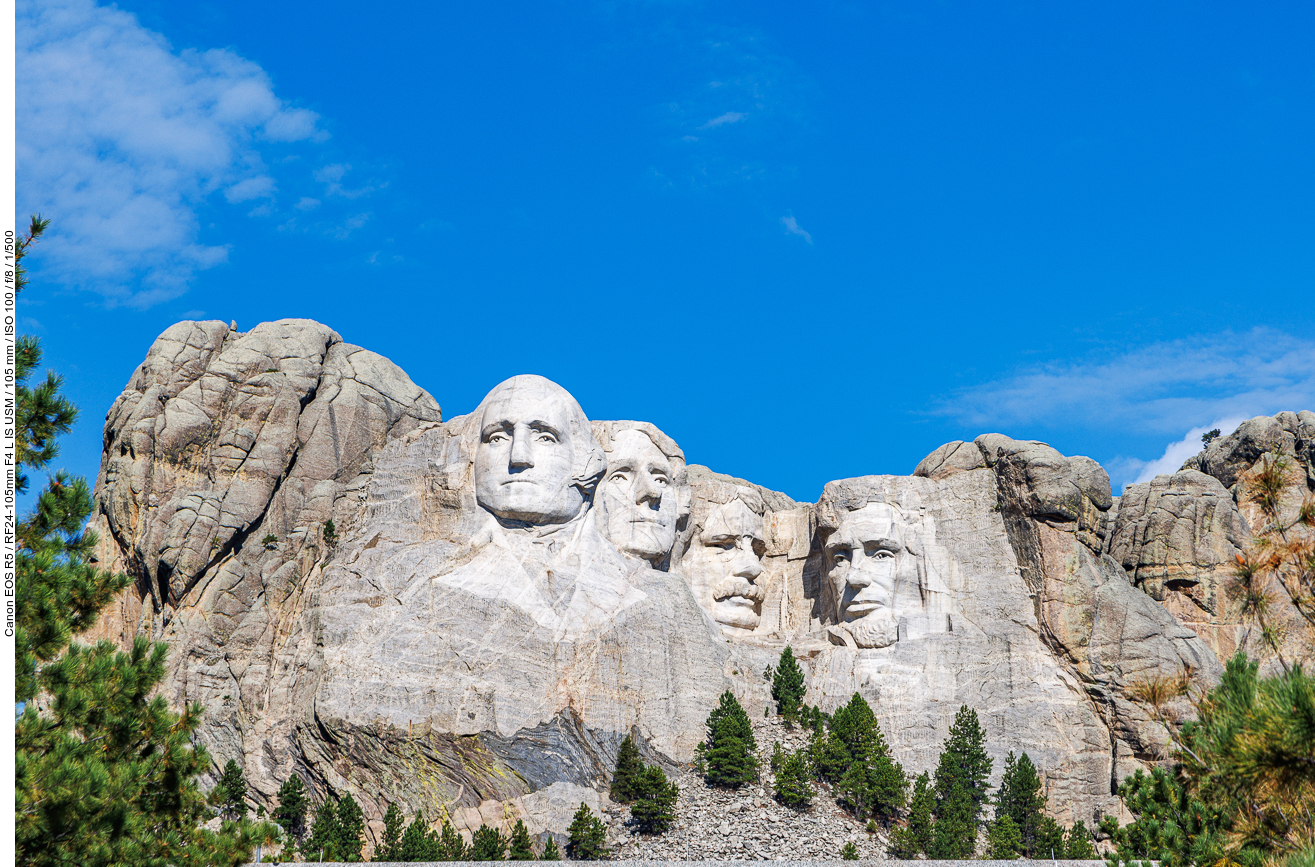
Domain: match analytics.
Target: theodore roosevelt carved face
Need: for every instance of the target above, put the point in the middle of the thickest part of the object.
(536, 460)
(637, 499)
(724, 563)
(871, 565)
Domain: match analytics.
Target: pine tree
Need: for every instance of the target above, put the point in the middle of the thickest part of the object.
(105, 772)
(628, 767)
(1021, 800)
(849, 852)
(232, 792)
(351, 829)
(290, 813)
(488, 844)
(1049, 841)
(520, 847)
(1003, 841)
(954, 834)
(654, 807)
(788, 685)
(550, 851)
(729, 757)
(586, 837)
(915, 837)
(390, 843)
(1078, 845)
(321, 844)
(963, 761)
(449, 845)
(874, 787)
(791, 786)
(418, 843)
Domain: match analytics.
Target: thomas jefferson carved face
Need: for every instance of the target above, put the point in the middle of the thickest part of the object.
(636, 500)
(528, 454)
(868, 560)
(724, 563)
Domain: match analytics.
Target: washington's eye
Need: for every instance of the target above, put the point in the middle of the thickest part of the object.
(544, 437)
(497, 436)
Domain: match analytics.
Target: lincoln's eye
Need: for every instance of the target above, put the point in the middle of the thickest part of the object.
(620, 478)
(841, 556)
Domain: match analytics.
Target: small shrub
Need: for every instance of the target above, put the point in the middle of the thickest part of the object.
(849, 852)
(270, 542)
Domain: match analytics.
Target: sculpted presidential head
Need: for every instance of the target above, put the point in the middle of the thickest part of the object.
(536, 460)
(871, 563)
(643, 496)
(724, 562)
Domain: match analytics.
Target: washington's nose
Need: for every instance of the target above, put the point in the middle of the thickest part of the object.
(521, 458)
(647, 491)
(745, 564)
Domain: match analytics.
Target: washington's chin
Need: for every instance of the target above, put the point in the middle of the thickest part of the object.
(525, 502)
(737, 612)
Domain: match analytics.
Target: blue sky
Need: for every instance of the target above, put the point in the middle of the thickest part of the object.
(808, 241)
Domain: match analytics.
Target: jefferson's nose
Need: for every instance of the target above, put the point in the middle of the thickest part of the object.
(647, 491)
(521, 457)
(745, 564)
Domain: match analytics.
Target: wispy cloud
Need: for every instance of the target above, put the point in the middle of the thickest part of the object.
(1190, 385)
(728, 117)
(1163, 387)
(332, 175)
(121, 139)
(792, 228)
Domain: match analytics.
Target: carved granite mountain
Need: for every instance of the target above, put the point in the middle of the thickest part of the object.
(501, 598)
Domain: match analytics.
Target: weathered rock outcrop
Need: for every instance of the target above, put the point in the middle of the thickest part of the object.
(501, 598)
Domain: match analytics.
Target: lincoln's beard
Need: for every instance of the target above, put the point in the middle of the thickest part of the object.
(877, 629)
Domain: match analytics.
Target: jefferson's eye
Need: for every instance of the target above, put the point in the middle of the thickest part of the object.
(723, 543)
(661, 480)
(883, 554)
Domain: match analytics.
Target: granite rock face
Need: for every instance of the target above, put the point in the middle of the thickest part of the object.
(506, 595)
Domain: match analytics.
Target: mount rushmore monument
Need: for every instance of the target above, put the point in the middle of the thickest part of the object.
(468, 616)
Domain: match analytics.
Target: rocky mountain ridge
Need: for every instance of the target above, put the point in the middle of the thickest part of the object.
(342, 591)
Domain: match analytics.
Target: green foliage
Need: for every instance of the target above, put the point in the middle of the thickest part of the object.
(390, 843)
(1004, 841)
(1172, 827)
(586, 837)
(488, 844)
(1020, 799)
(1243, 788)
(325, 834)
(448, 845)
(791, 786)
(1078, 845)
(330, 533)
(520, 847)
(550, 851)
(418, 843)
(849, 852)
(915, 837)
(628, 767)
(1049, 841)
(874, 787)
(788, 685)
(654, 807)
(954, 833)
(1210, 436)
(232, 792)
(105, 771)
(351, 829)
(854, 755)
(729, 757)
(290, 813)
(270, 541)
(963, 761)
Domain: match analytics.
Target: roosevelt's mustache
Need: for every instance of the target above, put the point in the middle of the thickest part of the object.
(734, 585)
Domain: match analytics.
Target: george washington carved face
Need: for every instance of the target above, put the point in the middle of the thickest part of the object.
(535, 455)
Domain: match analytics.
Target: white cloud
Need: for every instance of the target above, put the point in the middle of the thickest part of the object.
(306, 203)
(728, 117)
(792, 228)
(331, 176)
(1175, 453)
(121, 139)
(1160, 388)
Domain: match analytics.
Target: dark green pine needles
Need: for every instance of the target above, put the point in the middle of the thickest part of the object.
(729, 756)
